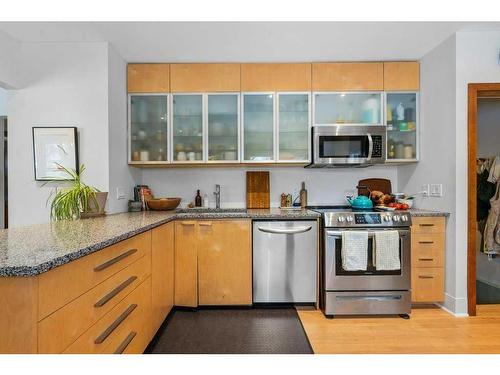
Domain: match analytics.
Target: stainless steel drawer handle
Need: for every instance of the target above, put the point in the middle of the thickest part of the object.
(426, 259)
(285, 231)
(121, 348)
(426, 242)
(426, 225)
(115, 291)
(368, 298)
(425, 277)
(110, 262)
(108, 331)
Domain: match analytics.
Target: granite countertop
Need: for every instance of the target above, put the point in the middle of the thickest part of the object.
(416, 212)
(34, 249)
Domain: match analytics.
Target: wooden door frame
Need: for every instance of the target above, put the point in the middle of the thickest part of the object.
(475, 90)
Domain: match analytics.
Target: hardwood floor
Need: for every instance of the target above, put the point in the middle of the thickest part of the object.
(430, 330)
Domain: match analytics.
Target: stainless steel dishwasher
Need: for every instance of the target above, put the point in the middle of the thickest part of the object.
(284, 261)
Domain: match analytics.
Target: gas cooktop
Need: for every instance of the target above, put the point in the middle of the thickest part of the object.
(346, 217)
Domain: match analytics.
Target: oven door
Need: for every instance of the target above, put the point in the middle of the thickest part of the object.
(338, 279)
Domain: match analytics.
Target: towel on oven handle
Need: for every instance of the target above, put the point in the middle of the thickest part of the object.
(386, 250)
(355, 250)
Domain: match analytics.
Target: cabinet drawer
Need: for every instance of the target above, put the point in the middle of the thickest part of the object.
(427, 284)
(427, 250)
(63, 284)
(428, 225)
(126, 326)
(61, 328)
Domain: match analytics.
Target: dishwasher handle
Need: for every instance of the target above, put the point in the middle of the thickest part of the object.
(285, 231)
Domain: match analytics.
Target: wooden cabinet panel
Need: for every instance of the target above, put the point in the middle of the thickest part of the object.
(428, 225)
(427, 284)
(148, 78)
(402, 76)
(131, 315)
(162, 273)
(60, 329)
(367, 76)
(205, 77)
(276, 77)
(186, 263)
(18, 315)
(83, 274)
(225, 262)
(427, 250)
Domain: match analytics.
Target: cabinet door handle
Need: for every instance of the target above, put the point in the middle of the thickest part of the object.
(426, 242)
(121, 348)
(205, 223)
(114, 260)
(426, 225)
(115, 291)
(187, 223)
(425, 277)
(426, 259)
(108, 331)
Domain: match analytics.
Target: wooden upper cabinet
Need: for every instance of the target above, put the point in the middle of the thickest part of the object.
(345, 76)
(148, 78)
(205, 77)
(276, 77)
(402, 76)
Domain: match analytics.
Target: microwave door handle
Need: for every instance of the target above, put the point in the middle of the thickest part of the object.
(370, 147)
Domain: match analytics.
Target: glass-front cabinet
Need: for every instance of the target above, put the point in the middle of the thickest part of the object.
(187, 128)
(258, 127)
(293, 127)
(349, 108)
(148, 128)
(223, 128)
(402, 126)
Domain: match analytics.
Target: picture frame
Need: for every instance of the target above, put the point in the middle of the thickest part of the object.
(54, 147)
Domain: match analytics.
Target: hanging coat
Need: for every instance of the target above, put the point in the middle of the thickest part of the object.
(492, 229)
(485, 191)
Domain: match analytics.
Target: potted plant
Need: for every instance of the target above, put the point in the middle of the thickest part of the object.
(77, 200)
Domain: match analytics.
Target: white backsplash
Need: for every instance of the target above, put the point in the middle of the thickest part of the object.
(323, 186)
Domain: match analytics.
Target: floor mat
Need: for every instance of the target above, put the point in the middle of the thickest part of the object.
(232, 331)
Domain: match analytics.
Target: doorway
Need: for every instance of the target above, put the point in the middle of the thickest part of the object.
(478, 93)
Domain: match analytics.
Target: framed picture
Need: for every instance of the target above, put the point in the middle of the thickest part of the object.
(54, 148)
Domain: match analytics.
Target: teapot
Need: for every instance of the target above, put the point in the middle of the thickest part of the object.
(360, 202)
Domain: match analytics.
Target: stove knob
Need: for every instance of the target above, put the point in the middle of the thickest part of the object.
(395, 218)
(341, 219)
(404, 218)
(349, 219)
(387, 218)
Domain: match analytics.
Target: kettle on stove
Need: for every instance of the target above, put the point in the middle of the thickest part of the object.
(361, 202)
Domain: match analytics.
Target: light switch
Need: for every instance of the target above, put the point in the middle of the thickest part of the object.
(120, 194)
(436, 190)
(425, 190)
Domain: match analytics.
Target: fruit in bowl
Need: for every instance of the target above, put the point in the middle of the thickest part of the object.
(163, 204)
(406, 201)
(381, 199)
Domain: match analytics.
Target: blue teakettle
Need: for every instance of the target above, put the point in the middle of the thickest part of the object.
(360, 202)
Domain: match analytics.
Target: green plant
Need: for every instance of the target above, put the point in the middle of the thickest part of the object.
(69, 202)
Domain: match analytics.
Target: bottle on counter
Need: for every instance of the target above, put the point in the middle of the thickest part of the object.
(197, 199)
(283, 200)
(303, 195)
(205, 201)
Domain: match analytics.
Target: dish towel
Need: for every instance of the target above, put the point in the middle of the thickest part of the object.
(386, 251)
(354, 250)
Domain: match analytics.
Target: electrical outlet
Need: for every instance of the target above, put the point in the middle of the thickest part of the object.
(436, 190)
(120, 194)
(425, 190)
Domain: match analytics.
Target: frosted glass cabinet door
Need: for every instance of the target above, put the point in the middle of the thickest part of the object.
(223, 127)
(348, 108)
(402, 126)
(187, 128)
(148, 128)
(258, 127)
(293, 126)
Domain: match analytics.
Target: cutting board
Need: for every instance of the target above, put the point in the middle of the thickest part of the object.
(258, 190)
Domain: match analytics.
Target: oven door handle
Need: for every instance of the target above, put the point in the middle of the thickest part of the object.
(370, 147)
(371, 234)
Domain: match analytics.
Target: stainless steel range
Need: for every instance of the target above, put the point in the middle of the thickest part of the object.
(369, 291)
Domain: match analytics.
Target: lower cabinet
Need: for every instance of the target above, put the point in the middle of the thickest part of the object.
(213, 262)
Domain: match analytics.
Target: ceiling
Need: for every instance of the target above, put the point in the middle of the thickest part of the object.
(251, 41)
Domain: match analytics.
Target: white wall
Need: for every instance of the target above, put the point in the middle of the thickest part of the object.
(3, 102)
(120, 174)
(488, 127)
(324, 186)
(11, 73)
(67, 86)
(437, 164)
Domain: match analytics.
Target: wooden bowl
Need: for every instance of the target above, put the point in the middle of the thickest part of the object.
(163, 204)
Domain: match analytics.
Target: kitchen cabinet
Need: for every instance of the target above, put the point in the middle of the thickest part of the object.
(360, 108)
(148, 128)
(186, 263)
(187, 128)
(348, 76)
(276, 77)
(162, 273)
(428, 252)
(223, 124)
(402, 120)
(205, 77)
(148, 78)
(225, 262)
(294, 127)
(258, 127)
(401, 76)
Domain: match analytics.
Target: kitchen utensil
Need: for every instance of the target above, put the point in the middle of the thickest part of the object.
(163, 204)
(258, 189)
(374, 184)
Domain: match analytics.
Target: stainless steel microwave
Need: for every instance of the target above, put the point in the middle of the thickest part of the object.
(347, 145)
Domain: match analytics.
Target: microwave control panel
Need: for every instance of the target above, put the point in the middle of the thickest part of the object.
(377, 146)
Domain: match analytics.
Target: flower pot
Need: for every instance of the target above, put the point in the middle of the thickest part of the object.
(94, 211)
